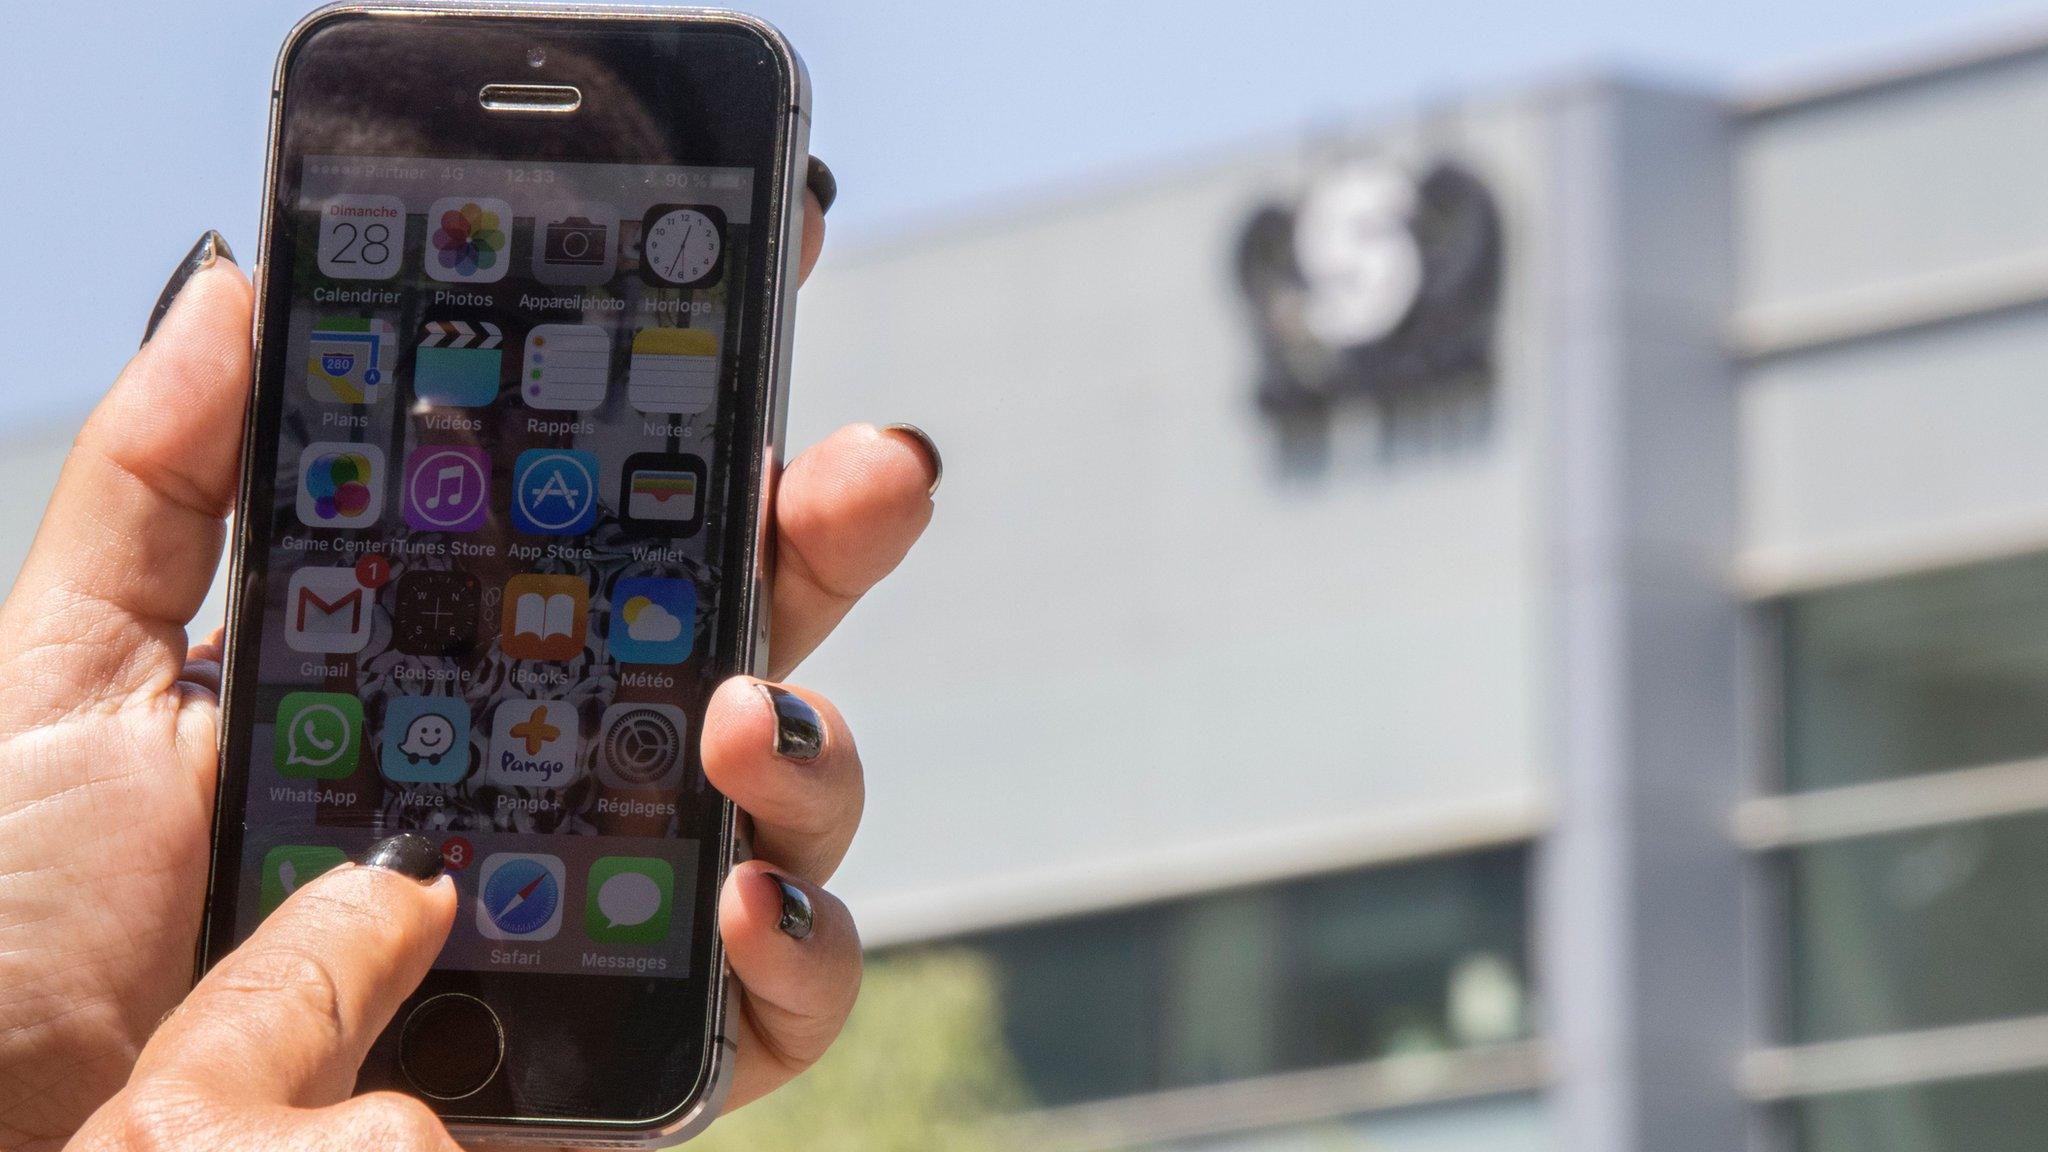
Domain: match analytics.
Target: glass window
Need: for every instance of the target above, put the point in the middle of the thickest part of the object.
(1920, 674)
(2004, 1114)
(1422, 957)
(1920, 929)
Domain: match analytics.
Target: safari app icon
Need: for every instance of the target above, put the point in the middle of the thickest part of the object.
(426, 740)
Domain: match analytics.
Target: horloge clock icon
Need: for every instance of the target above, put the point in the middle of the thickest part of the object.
(682, 245)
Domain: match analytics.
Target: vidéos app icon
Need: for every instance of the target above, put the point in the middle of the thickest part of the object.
(576, 247)
(426, 740)
(362, 237)
(468, 239)
(435, 613)
(653, 621)
(341, 485)
(641, 745)
(673, 370)
(545, 617)
(456, 363)
(554, 491)
(327, 610)
(534, 745)
(447, 488)
(287, 867)
(348, 359)
(567, 366)
(519, 896)
(319, 735)
(663, 493)
(629, 900)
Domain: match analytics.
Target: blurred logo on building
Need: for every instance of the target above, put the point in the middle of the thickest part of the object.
(1373, 283)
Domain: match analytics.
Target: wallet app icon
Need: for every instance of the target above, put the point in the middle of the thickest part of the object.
(662, 493)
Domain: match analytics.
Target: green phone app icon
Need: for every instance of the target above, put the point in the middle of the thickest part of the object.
(628, 900)
(319, 735)
(287, 866)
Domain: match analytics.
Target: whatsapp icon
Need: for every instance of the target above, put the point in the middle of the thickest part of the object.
(319, 735)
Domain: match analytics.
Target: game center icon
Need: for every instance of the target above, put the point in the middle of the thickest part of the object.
(341, 484)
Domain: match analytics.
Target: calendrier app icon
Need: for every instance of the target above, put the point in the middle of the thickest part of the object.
(435, 613)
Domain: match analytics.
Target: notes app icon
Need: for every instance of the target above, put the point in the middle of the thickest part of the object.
(348, 359)
(446, 488)
(673, 370)
(545, 617)
(567, 366)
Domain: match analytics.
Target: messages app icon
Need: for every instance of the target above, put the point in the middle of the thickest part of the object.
(629, 900)
(319, 735)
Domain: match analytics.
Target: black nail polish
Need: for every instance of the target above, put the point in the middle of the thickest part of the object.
(212, 246)
(931, 451)
(408, 854)
(796, 910)
(799, 733)
(825, 186)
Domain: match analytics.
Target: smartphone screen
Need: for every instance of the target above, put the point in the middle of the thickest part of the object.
(498, 537)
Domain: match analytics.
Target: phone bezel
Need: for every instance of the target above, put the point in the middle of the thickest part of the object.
(770, 296)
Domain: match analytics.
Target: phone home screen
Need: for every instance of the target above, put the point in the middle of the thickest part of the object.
(492, 562)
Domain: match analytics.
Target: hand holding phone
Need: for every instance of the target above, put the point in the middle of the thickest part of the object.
(106, 711)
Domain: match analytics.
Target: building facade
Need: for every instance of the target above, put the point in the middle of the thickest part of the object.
(1523, 626)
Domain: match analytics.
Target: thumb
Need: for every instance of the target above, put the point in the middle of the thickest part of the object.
(288, 1017)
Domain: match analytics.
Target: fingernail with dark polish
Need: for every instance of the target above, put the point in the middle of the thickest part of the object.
(408, 854)
(930, 449)
(796, 910)
(825, 186)
(799, 732)
(212, 246)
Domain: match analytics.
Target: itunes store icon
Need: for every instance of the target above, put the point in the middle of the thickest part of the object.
(447, 488)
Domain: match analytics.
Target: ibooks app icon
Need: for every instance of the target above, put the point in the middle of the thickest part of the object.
(545, 617)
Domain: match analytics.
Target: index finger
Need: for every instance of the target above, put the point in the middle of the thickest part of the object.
(288, 1017)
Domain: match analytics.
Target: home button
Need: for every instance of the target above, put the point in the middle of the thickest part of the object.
(451, 1046)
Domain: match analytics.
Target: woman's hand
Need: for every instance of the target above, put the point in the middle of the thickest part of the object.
(109, 724)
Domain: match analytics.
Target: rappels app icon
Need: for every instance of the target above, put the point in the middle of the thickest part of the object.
(630, 899)
(519, 896)
(641, 745)
(426, 740)
(534, 745)
(327, 610)
(567, 366)
(318, 736)
(545, 617)
(457, 362)
(287, 868)
(663, 493)
(348, 359)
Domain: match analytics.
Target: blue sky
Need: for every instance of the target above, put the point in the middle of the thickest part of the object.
(135, 124)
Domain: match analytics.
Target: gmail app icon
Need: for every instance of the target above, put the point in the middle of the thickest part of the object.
(327, 610)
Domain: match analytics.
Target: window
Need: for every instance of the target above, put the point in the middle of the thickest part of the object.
(1423, 957)
(2003, 1114)
(1916, 675)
